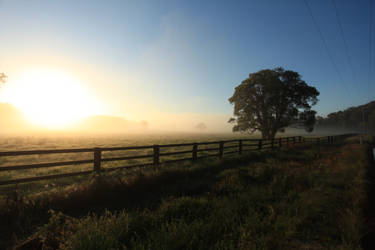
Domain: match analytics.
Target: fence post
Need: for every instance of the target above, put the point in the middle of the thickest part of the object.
(156, 155)
(221, 149)
(195, 151)
(287, 141)
(97, 160)
(260, 144)
(272, 143)
(240, 147)
(280, 142)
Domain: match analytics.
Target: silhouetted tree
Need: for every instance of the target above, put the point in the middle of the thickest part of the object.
(144, 124)
(371, 121)
(270, 100)
(3, 78)
(201, 126)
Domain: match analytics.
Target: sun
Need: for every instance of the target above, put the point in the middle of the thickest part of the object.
(51, 98)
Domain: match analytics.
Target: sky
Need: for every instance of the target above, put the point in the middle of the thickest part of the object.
(176, 63)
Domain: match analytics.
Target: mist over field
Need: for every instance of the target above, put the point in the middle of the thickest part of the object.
(13, 122)
(187, 124)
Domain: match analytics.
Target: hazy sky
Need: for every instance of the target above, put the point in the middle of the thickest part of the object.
(147, 59)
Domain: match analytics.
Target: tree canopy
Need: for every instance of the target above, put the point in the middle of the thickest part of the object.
(272, 99)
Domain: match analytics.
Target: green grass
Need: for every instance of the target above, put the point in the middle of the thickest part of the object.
(301, 198)
(53, 142)
(37, 142)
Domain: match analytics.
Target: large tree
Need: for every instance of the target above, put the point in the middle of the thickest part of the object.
(272, 99)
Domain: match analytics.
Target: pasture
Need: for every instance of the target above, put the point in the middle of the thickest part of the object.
(20, 143)
(70, 142)
(34, 168)
(309, 197)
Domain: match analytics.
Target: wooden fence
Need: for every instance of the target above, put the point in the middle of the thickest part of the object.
(217, 147)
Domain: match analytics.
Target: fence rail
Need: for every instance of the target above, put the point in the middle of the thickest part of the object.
(237, 147)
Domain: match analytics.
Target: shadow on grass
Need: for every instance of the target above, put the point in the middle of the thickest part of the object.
(112, 192)
(145, 189)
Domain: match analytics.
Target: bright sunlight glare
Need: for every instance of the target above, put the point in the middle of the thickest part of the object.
(51, 98)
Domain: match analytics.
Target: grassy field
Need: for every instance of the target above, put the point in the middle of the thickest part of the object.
(66, 142)
(303, 198)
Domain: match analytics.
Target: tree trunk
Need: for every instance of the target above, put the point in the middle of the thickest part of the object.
(273, 133)
(264, 134)
(268, 135)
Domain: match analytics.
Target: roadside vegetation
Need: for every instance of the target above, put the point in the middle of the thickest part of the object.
(306, 197)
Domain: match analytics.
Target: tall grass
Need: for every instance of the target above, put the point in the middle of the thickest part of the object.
(302, 198)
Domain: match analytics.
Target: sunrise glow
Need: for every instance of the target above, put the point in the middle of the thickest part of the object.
(51, 98)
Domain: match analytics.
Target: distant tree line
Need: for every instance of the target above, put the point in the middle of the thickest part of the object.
(356, 119)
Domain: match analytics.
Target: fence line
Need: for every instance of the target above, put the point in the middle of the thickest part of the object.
(241, 146)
